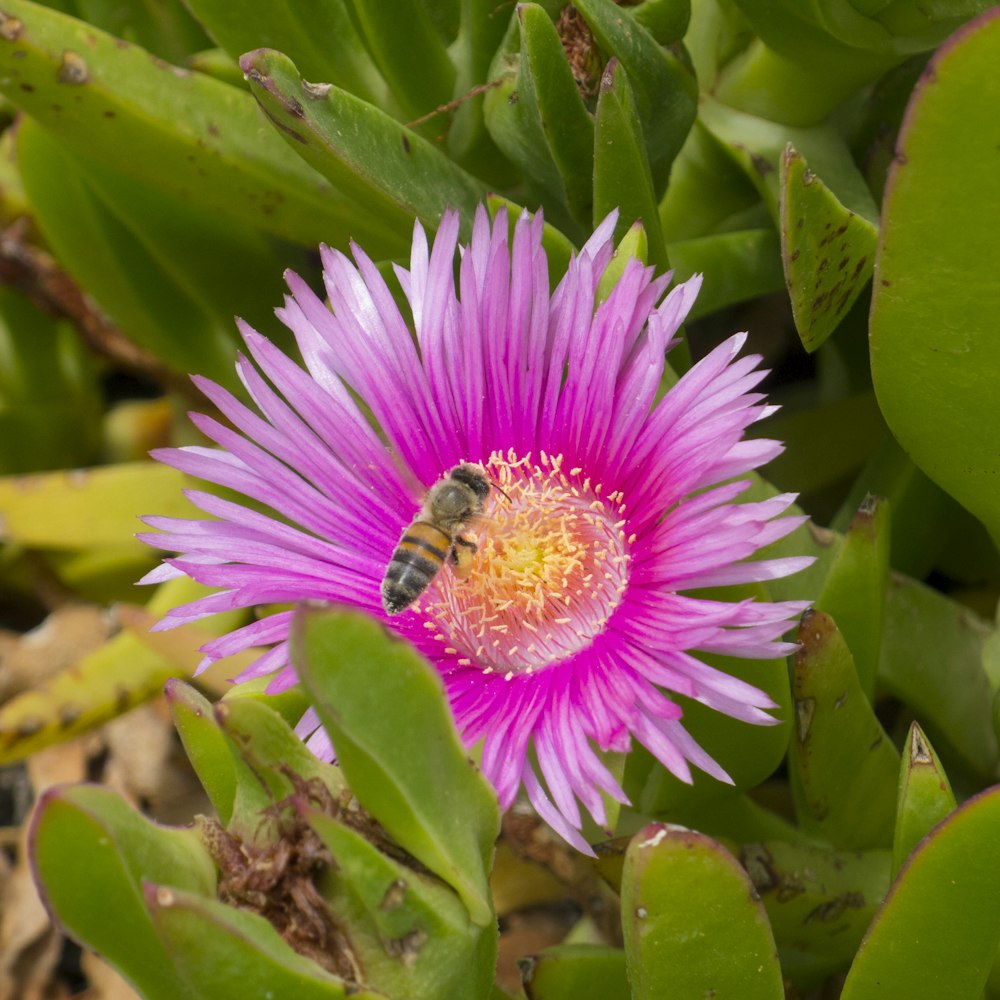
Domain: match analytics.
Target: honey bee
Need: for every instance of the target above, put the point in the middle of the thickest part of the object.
(452, 504)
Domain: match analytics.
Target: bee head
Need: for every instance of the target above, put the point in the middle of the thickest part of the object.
(469, 475)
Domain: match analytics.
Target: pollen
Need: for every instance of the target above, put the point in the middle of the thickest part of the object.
(551, 567)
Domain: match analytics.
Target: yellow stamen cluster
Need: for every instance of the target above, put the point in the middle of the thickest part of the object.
(551, 568)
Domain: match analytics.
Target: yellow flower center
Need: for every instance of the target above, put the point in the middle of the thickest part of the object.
(551, 567)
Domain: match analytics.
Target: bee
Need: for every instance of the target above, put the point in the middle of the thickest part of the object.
(452, 504)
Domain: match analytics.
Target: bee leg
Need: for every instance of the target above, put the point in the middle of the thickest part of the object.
(461, 555)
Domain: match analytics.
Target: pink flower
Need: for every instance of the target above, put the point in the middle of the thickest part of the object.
(571, 630)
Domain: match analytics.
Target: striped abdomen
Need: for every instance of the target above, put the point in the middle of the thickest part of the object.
(421, 553)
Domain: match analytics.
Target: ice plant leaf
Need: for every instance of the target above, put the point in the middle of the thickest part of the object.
(622, 177)
(205, 746)
(385, 167)
(574, 971)
(932, 660)
(819, 902)
(166, 271)
(757, 146)
(415, 934)
(547, 89)
(944, 899)
(576, 589)
(925, 795)
(207, 941)
(737, 266)
(828, 252)
(90, 853)
(319, 37)
(185, 132)
(385, 712)
(665, 90)
(50, 403)
(854, 591)
(691, 921)
(86, 507)
(936, 376)
(843, 761)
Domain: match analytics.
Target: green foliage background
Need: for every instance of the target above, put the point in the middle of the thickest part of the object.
(831, 168)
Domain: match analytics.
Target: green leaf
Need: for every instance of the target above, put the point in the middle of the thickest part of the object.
(935, 356)
(737, 266)
(49, 398)
(414, 61)
(622, 177)
(937, 931)
(854, 592)
(165, 28)
(184, 132)
(665, 90)
(757, 146)
(271, 749)
(844, 764)
(693, 926)
(819, 902)
(204, 745)
(320, 37)
(387, 715)
(209, 941)
(574, 971)
(91, 853)
(413, 932)
(169, 274)
(548, 91)
(925, 796)
(828, 252)
(932, 660)
(390, 172)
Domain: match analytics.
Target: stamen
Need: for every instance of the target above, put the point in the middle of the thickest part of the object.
(551, 567)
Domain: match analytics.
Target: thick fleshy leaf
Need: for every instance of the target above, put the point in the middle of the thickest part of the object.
(757, 145)
(936, 934)
(169, 274)
(49, 400)
(665, 90)
(854, 591)
(547, 90)
(390, 171)
(83, 508)
(932, 660)
(845, 767)
(737, 266)
(925, 796)
(209, 941)
(320, 37)
(387, 715)
(692, 923)
(819, 902)
(205, 746)
(185, 132)
(575, 971)
(828, 252)
(414, 61)
(268, 753)
(413, 931)
(622, 177)
(935, 356)
(90, 853)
